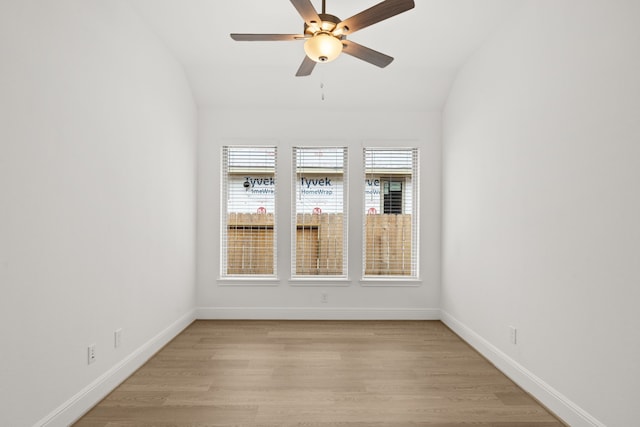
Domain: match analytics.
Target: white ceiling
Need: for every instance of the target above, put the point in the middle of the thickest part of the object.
(429, 44)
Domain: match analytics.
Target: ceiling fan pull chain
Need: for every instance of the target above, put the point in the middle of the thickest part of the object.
(322, 91)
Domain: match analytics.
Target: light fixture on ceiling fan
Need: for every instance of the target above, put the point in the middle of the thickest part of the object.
(325, 35)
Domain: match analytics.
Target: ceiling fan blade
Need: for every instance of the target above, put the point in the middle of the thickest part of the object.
(368, 55)
(307, 11)
(265, 37)
(306, 67)
(374, 14)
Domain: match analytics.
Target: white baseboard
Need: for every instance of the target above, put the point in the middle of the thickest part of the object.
(314, 313)
(559, 404)
(84, 400)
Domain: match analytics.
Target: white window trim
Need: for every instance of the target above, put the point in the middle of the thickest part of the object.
(245, 280)
(395, 281)
(248, 281)
(391, 282)
(320, 280)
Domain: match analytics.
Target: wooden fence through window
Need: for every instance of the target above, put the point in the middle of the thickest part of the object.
(250, 244)
(388, 249)
(319, 244)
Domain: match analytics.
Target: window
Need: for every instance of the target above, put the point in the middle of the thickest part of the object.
(248, 211)
(319, 214)
(392, 196)
(390, 212)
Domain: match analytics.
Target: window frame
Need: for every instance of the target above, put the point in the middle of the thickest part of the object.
(412, 279)
(319, 279)
(224, 277)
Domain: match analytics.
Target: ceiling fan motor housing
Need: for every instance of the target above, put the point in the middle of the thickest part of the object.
(328, 24)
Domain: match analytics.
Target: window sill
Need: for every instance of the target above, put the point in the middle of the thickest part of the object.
(320, 281)
(391, 282)
(248, 281)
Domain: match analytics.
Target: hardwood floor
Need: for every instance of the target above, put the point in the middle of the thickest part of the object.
(318, 373)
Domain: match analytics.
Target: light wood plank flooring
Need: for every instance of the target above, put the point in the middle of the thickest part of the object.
(318, 373)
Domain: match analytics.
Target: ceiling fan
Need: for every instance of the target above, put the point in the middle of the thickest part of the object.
(326, 35)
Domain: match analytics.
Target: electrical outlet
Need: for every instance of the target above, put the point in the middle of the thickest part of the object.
(117, 338)
(513, 335)
(91, 354)
(324, 298)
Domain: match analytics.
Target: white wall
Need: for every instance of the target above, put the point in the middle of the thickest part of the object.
(283, 299)
(542, 205)
(97, 202)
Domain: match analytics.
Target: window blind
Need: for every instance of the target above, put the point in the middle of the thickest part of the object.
(319, 214)
(390, 222)
(248, 226)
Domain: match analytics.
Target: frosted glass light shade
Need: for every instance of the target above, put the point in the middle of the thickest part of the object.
(323, 47)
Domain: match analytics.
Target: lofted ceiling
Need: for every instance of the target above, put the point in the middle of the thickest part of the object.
(429, 44)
